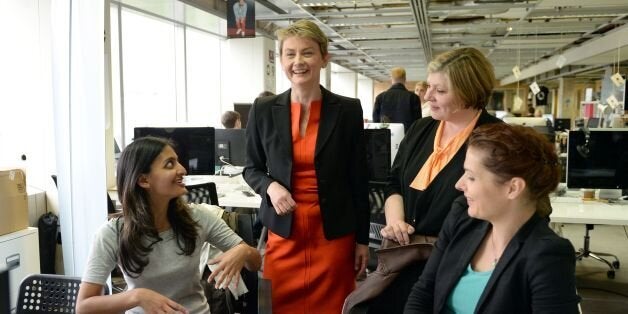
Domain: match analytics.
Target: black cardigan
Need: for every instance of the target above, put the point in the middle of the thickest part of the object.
(427, 210)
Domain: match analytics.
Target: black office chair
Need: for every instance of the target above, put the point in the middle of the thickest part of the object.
(44, 294)
(48, 294)
(203, 193)
(377, 198)
(586, 252)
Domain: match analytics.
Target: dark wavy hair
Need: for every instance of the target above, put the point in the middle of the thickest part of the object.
(518, 151)
(136, 225)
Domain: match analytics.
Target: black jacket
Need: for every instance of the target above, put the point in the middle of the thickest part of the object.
(340, 163)
(397, 105)
(427, 208)
(535, 274)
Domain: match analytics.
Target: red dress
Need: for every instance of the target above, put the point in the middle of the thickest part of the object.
(308, 273)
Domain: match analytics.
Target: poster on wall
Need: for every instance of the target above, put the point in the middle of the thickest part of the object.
(240, 18)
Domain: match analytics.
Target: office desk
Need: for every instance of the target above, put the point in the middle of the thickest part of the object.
(589, 213)
(231, 190)
(575, 210)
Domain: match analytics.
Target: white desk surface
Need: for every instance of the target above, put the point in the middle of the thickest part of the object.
(230, 190)
(578, 211)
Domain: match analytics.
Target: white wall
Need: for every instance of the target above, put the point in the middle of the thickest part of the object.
(26, 90)
(343, 81)
(250, 70)
(365, 94)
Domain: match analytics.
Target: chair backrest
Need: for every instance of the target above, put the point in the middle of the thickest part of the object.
(203, 193)
(377, 198)
(43, 293)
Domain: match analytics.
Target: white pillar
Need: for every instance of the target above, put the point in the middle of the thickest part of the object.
(79, 114)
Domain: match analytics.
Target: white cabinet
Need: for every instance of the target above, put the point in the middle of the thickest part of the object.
(19, 251)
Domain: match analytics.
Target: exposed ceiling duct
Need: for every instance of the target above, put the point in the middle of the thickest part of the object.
(372, 36)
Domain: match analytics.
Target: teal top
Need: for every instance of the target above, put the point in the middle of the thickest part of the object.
(466, 294)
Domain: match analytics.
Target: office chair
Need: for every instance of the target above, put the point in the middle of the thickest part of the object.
(44, 293)
(48, 294)
(203, 193)
(586, 252)
(377, 198)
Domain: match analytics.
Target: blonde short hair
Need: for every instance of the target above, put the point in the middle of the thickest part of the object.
(304, 29)
(398, 74)
(421, 84)
(471, 75)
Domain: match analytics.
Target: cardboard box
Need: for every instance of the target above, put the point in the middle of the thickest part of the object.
(13, 201)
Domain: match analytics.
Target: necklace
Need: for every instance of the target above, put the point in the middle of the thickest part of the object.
(495, 257)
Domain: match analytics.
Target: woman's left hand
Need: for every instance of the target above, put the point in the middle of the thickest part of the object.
(230, 264)
(361, 258)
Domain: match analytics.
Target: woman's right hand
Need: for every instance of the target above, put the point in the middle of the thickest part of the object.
(153, 302)
(398, 231)
(281, 199)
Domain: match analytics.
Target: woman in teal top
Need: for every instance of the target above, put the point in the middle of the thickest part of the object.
(496, 252)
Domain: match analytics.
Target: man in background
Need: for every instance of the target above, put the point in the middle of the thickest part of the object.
(397, 104)
(231, 120)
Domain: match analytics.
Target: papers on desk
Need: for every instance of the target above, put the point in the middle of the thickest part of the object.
(566, 199)
(231, 170)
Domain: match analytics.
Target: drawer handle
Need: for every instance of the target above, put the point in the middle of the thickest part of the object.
(13, 261)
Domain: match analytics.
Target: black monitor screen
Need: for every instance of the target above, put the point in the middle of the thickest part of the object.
(593, 123)
(601, 162)
(243, 110)
(231, 145)
(194, 146)
(561, 124)
(5, 294)
(378, 153)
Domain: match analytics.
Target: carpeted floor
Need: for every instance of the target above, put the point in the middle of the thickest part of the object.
(599, 293)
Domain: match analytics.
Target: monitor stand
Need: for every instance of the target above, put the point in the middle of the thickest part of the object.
(609, 194)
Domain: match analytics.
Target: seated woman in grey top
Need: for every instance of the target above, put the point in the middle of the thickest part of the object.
(157, 239)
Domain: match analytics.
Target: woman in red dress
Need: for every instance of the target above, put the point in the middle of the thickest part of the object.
(306, 154)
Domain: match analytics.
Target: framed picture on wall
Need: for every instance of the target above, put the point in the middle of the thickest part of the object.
(240, 18)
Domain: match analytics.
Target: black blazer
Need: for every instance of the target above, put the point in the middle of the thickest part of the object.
(426, 210)
(536, 273)
(339, 160)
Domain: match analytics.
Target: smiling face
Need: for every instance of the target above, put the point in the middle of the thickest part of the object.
(165, 179)
(444, 103)
(302, 61)
(485, 194)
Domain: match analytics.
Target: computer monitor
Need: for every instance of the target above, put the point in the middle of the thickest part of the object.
(231, 145)
(561, 124)
(397, 133)
(547, 131)
(598, 160)
(378, 153)
(194, 146)
(243, 109)
(5, 293)
(593, 123)
(549, 117)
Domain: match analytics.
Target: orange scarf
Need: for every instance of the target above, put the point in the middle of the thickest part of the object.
(441, 156)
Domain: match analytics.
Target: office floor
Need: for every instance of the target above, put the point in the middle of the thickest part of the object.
(600, 294)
